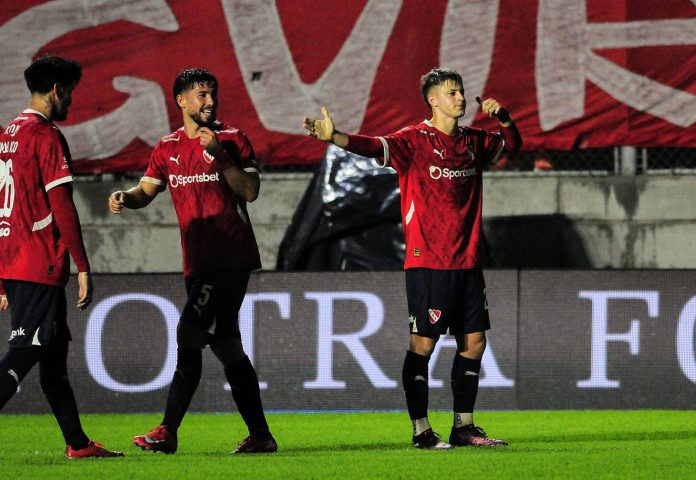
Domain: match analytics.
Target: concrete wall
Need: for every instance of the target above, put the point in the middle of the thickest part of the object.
(532, 220)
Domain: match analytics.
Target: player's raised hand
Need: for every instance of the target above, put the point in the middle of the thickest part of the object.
(208, 139)
(84, 282)
(492, 108)
(117, 202)
(320, 129)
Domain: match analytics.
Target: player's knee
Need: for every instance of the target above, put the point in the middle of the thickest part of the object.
(189, 336)
(422, 345)
(472, 344)
(229, 351)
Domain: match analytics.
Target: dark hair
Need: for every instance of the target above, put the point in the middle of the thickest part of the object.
(190, 77)
(438, 76)
(48, 70)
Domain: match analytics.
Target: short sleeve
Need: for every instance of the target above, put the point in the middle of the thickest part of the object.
(240, 150)
(53, 162)
(154, 173)
(398, 148)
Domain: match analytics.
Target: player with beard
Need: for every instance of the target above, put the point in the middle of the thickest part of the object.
(212, 174)
(440, 167)
(40, 226)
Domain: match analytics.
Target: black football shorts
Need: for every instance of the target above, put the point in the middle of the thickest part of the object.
(439, 300)
(38, 314)
(214, 300)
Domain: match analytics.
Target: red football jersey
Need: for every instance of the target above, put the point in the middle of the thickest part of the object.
(440, 177)
(34, 158)
(216, 232)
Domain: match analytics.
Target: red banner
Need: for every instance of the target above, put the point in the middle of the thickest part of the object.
(574, 73)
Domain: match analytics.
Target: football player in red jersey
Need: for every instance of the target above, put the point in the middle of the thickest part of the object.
(440, 166)
(39, 226)
(212, 174)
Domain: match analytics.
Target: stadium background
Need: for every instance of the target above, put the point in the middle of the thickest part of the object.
(618, 132)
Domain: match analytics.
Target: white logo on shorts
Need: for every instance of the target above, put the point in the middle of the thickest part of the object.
(16, 333)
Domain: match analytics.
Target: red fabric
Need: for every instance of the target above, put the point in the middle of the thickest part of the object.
(68, 223)
(440, 178)
(216, 232)
(364, 145)
(35, 161)
(578, 73)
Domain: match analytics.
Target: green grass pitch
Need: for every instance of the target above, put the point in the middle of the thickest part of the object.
(543, 444)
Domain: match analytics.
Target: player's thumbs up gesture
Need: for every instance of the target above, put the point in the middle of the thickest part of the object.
(320, 129)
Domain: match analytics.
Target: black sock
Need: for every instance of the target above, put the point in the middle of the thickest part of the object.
(415, 379)
(247, 395)
(61, 398)
(465, 382)
(53, 375)
(189, 363)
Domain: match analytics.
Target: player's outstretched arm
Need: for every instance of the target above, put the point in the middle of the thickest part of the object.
(324, 129)
(136, 197)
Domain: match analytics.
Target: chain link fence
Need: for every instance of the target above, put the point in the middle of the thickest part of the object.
(607, 161)
(597, 161)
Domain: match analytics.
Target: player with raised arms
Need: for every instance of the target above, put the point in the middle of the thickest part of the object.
(440, 166)
(212, 174)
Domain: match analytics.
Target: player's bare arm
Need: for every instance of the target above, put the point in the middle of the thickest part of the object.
(492, 108)
(86, 288)
(244, 184)
(136, 197)
(3, 298)
(324, 129)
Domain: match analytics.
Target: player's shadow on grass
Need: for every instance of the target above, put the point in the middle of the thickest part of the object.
(353, 447)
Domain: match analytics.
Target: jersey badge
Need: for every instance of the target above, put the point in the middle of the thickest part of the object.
(207, 157)
(434, 315)
(416, 252)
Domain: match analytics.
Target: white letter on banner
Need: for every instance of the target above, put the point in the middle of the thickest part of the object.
(93, 342)
(326, 338)
(566, 58)
(685, 340)
(246, 321)
(468, 23)
(103, 136)
(492, 377)
(268, 68)
(600, 337)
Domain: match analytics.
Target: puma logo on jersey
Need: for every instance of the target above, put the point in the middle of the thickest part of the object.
(434, 315)
(440, 153)
(175, 159)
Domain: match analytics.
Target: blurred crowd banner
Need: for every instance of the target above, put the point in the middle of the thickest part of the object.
(574, 73)
(336, 341)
